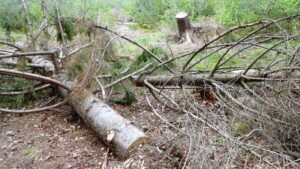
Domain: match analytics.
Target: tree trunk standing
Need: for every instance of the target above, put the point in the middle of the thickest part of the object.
(184, 26)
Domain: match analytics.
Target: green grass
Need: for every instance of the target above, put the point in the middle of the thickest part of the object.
(239, 128)
(147, 39)
(243, 59)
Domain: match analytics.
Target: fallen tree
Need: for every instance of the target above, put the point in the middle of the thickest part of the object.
(233, 76)
(265, 95)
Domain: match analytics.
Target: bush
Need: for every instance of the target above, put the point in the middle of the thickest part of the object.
(11, 16)
(149, 13)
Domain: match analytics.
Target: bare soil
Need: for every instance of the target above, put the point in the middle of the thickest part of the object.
(60, 139)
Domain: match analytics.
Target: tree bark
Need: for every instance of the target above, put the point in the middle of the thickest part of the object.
(200, 79)
(184, 26)
(113, 129)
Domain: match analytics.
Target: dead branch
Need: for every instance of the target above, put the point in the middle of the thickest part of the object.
(135, 43)
(13, 93)
(60, 27)
(30, 26)
(125, 77)
(35, 66)
(29, 54)
(264, 23)
(10, 44)
(34, 110)
(31, 76)
(199, 79)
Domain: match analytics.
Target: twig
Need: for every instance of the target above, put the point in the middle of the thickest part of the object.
(79, 49)
(13, 93)
(10, 44)
(30, 26)
(135, 43)
(127, 76)
(28, 54)
(102, 88)
(105, 163)
(174, 127)
(34, 110)
(60, 27)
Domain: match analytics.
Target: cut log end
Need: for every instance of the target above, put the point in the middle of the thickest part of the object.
(140, 141)
(181, 15)
(112, 128)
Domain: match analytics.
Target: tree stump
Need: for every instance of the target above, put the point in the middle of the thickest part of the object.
(184, 26)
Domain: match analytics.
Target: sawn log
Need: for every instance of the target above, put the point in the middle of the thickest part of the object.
(117, 132)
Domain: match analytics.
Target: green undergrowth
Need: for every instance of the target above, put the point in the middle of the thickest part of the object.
(239, 128)
(17, 84)
(29, 153)
(146, 58)
(242, 59)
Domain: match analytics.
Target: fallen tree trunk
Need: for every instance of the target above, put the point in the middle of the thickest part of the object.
(113, 129)
(200, 79)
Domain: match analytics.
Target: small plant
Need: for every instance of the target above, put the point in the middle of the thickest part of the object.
(238, 128)
(29, 153)
(69, 31)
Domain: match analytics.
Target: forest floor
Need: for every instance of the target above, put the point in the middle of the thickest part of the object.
(60, 139)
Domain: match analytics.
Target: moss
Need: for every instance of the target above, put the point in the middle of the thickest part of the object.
(29, 153)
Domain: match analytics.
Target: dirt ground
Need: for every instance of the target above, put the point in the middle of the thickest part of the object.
(60, 139)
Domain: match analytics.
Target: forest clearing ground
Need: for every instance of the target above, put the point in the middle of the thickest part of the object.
(57, 139)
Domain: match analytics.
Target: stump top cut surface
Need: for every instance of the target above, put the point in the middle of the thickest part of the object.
(181, 15)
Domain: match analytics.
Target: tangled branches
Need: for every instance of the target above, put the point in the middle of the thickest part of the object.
(237, 102)
(254, 84)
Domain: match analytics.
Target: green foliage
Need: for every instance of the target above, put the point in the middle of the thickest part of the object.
(149, 13)
(146, 58)
(77, 64)
(68, 26)
(17, 84)
(11, 16)
(238, 128)
(232, 12)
